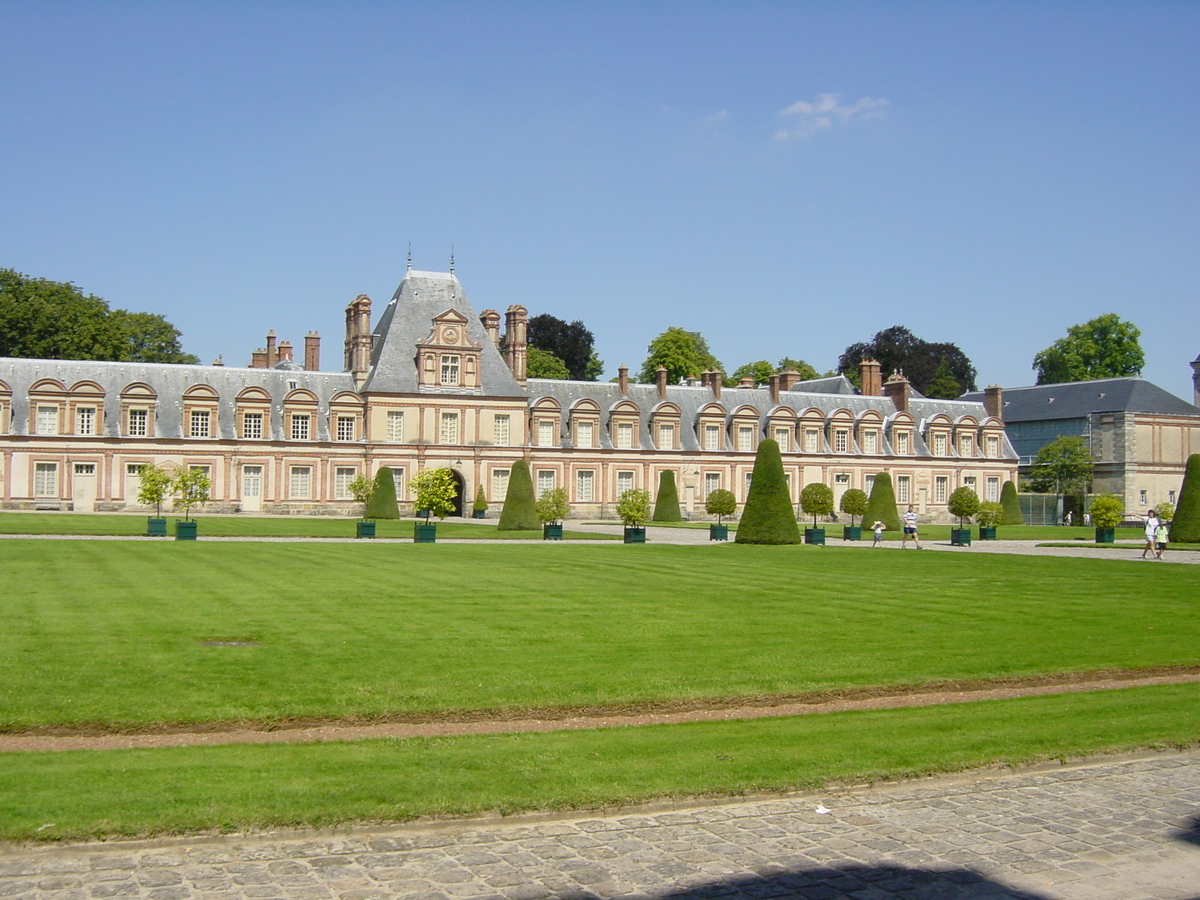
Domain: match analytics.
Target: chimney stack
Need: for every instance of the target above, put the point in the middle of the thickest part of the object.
(272, 353)
(491, 324)
(714, 382)
(285, 351)
(870, 378)
(1196, 381)
(258, 359)
(746, 381)
(788, 379)
(623, 380)
(358, 338)
(660, 379)
(312, 352)
(993, 401)
(774, 385)
(516, 347)
(896, 388)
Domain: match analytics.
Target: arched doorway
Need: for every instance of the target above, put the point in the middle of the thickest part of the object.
(459, 490)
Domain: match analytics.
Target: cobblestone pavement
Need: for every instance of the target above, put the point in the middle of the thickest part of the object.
(1107, 830)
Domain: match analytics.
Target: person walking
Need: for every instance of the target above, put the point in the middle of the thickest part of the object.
(1151, 533)
(878, 528)
(910, 529)
(1160, 538)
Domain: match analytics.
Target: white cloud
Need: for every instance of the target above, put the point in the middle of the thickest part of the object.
(719, 116)
(826, 112)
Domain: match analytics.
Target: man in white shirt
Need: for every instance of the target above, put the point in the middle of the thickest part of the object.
(1151, 533)
(910, 529)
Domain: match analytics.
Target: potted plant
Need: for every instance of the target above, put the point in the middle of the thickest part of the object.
(720, 503)
(154, 486)
(1107, 511)
(989, 515)
(634, 509)
(480, 506)
(362, 489)
(964, 503)
(434, 491)
(191, 486)
(854, 503)
(551, 509)
(816, 500)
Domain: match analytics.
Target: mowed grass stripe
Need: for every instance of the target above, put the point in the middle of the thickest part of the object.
(81, 794)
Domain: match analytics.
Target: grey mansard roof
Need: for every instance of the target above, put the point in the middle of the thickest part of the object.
(1079, 399)
(408, 320)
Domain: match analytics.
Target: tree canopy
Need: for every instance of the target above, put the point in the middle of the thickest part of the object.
(43, 319)
(761, 371)
(934, 369)
(685, 354)
(1105, 347)
(1064, 466)
(544, 364)
(570, 342)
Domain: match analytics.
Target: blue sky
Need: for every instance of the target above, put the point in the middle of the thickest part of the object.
(785, 178)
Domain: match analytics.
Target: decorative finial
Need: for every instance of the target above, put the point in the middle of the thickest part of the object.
(409, 256)
(451, 259)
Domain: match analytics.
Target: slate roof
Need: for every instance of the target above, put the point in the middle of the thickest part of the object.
(1079, 399)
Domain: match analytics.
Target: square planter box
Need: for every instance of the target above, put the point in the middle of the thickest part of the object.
(718, 532)
(364, 529)
(851, 532)
(424, 534)
(1105, 535)
(479, 514)
(635, 535)
(987, 532)
(814, 536)
(156, 527)
(960, 537)
(185, 530)
(551, 532)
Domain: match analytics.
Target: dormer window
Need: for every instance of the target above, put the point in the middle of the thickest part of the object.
(450, 364)
(448, 359)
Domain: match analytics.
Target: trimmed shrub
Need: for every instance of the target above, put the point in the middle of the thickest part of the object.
(1107, 510)
(1012, 505)
(519, 513)
(990, 513)
(634, 507)
(552, 506)
(382, 504)
(768, 517)
(854, 503)
(720, 503)
(816, 500)
(435, 490)
(481, 503)
(666, 505)
(1185, 527)
(964, 503)
(882, 504)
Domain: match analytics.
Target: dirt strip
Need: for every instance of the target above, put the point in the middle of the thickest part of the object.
(349, 732)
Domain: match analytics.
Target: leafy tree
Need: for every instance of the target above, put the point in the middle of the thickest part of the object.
(854, 503)
(761, 371)
(362, 489)
(1012, 505)
(154, 486)
(1063, 466)
(190, 486)
(544, 364)
(881, 507)
(382, 504)
(720, 503)
(666, 505)
(1165, 511)
(435, 490)
(1107, 511)
(898, 349)
(480, 504)
(816, 500)
(990, 513)
(944, 385)
(570, 342)
(633, 507)
(552, 506)
(1185, 527)
(964, 503)
(807, 372)
(51, 320)
(519, 513)
(685, 354)
(767, 517)
(1105, 347)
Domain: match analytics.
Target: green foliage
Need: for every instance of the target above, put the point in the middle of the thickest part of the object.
(720, 503)
(761, 371)
(816, 500)
(544, 364)
(964, 503)
(666, 505)
(944, 385)
(898, 349)
(435, 490)
(633, 507)
(854, 503)
(190, 487)
(570, 343)
(519, 513)
(1185, 527)
(1063, 466)
(1105, 347)
(1165, 511)
(806, 372)
(51, 320)
(685, 354)
(990, 514)
(552, 506)
(382, 504)
(768, 517)
(362, 489)
(881, 506)
(1012, 505)
(155, 485)
(1107, 510)
(480, 504)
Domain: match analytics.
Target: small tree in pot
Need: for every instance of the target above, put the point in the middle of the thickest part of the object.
(720, 503)
(1107, 511)
(190, 486)
(362, 489)
(434, 490)
(154, 486)
(480, 506)
(634, 509)
(551, 508)
(964, 503)
(816, 500)
(854, 503)
(989, 515)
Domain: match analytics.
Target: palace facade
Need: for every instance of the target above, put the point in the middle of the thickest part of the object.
(434, 384)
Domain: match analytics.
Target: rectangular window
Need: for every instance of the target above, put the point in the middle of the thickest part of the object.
(712, 437)
(625, 435)
(902, 443)
(398, 481)
(1170, 496)
(47, 420)
(666, 437)
(993, 446)
(252, 482)
(345, 428)
(969, 481)
(941, 488)
(45, 480)
(545, 433)
(903, 489)
(252, 426)
(300, 427)
(749, 478)
(450, 370)
(993, 489)
(812, 440)
(300, 482)
(841, 481)
(342, 476)
(869, 484)
(85, 420)
(502, 430)
(966, 446)
(585, 434)
(139, 422)
(745, 436)
(448, 434)
(939, 445)
(1142, 498)
(870, 442)
(712, 482)
(584, 486)
(201, 423)
(499, 485)
(624, 483)
(545, 481)
(841, 440)
(395, 425)
(782, 439)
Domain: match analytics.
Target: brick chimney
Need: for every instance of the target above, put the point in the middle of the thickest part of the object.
(258, 359)
(515, 344)
(660, 379)
(870, 378)
(746, 381)
(774, 385)
(896, 388)
(272, 353)
(788, 379)
(623, 380)
(285, 351)
(993, 401)
(714, 382)
(312, 352)
(358, 338)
